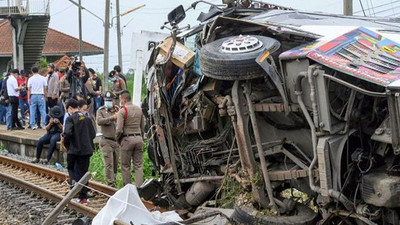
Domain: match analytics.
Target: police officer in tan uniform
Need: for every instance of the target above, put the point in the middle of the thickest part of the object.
(129, 134)
(117, 84)
(106, 118)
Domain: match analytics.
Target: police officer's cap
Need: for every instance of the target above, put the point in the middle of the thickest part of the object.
(109, 95)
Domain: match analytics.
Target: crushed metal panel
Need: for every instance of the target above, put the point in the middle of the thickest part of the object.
(363, 54)
(291, 70)
(326, 121)
(383, 133)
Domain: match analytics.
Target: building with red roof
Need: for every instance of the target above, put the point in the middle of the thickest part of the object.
(57, 44)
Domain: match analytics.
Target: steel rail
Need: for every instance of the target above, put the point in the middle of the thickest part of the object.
(48, 193)
(55, 174)
(90, 212)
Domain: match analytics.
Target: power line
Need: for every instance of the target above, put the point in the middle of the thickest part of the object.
(362, 7)
(152, 13)
(379, 6)
(382, 12)
(165, 12)
(372, 5)
(391, 4)
(125, 7)
(395, 15)
(56, 13)
(369, 9)
(386, 10)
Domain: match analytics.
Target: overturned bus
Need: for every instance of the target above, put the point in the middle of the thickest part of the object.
(278, 99)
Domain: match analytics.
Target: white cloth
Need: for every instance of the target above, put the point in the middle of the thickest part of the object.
(12, 84)
(115, 209)
(66, 115)
(37, 83)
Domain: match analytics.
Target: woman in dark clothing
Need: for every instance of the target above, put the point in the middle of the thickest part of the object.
(54, 128)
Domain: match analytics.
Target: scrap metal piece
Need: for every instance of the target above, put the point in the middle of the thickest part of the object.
(324, 167)
(163, 144)
(274, 107)
(240, 123)
(257, 137)
(290, 174)
(273, 75)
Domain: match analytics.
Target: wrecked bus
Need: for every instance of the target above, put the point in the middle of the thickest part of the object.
(278, 99)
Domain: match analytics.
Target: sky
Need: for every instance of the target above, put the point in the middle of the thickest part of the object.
(64, 18)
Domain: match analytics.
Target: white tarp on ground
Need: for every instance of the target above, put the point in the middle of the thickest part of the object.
(135, 211)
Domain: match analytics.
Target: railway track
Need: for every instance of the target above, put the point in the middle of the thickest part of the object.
(51, 185)
(19, 206)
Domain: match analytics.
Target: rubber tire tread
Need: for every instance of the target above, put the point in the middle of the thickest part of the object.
(228, 66)
(304, 216)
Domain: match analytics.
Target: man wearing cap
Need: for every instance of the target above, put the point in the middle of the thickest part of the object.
(106, 118)
(129, 133)
(54, 128)
(13, 93)
(53, 87)
(117, 84)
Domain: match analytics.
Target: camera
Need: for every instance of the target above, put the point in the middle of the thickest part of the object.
(75, 66)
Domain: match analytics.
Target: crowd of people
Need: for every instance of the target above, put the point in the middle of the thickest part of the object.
(68, 103)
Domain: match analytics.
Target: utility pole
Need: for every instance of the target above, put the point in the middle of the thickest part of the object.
(348, 7)
(137, 85)
(106, 44)
(119, 35)
(80, 31)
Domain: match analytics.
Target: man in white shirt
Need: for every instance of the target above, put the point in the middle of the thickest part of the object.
(37, 92)
(13, 93)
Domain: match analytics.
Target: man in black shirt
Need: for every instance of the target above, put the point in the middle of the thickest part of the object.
(78, 139)
(77, 76)
(4, 100)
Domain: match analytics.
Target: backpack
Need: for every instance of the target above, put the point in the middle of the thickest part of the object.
(3, 92)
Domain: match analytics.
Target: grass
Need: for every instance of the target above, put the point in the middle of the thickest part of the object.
(130, 77)
(96, 161)
(97, 167)
(231, 190)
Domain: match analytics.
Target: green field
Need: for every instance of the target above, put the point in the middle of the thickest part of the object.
(97, 163)
(97, 167)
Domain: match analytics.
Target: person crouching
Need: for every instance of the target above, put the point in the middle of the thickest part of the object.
(54, 128)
